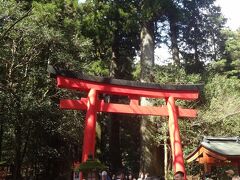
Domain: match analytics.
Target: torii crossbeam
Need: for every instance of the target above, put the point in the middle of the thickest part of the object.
(134, 90)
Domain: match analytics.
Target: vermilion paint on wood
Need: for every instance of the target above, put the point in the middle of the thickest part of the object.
(93, 105)
(90, 126)
(83, 85)
(126, 109)
(176, 145)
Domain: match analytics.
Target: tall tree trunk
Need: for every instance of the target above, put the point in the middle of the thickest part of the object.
(115, 154)
(150, 152)
(147, 51)
(21, 143)
(196, 54)
(120, 69)
(1, 138)
(17, 161)
(174, 42)
(1, 131)
(198, 65)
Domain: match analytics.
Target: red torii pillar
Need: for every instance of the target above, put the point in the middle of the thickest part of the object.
(176, 146)
(90, 126)
(90, 131)
(71, 80)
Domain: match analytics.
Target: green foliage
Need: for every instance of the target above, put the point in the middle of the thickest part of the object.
(102, 37)
(35, 132)
(218, 108)
(98, 67)
(198, 25)
(150, 9)
(218, 116)
(91, 165)
(172, 74)
(230, 63)
(222, 107)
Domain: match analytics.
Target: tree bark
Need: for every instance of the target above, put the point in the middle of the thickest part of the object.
(174, 42)
(17, 160)
(147, 51)
(1, 139)
(114, 149)
(115, 154)
(150, 153)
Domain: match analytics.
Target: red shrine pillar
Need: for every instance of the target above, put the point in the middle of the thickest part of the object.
(238, 166)
(90, 125)
(176, 146)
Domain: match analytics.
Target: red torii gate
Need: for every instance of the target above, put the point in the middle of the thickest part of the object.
(134, 90)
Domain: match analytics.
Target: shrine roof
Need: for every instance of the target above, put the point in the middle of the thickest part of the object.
(229, 146)
(55, 71)
(225, 146)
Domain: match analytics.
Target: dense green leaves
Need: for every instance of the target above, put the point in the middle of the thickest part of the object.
(34, 132)
(222, 107)
(230, 62)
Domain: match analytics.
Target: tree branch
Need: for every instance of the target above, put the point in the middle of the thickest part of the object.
(21, 18)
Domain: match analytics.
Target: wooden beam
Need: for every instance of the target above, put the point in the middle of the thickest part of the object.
(217, 162)
(207, 167)
(208, 160)
(76, 84)
(215, 155)
(203, 150)
(194, 156)
(126, 109)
